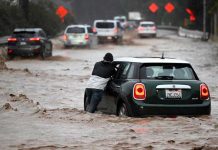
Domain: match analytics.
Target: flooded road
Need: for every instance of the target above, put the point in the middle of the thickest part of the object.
(41, 102)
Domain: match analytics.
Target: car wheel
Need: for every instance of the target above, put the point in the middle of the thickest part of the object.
(208, 111)
(51, 50)
(50, 54)
(122, 111)
(43, 53)
(10, 57)
(141, 36)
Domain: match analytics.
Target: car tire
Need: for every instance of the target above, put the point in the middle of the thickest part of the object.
(43, 53)
(10, 57)
(141, 36)
(208, 110)
(122, 110)
(51, 50)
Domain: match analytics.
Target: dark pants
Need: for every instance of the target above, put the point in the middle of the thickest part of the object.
(95, 96)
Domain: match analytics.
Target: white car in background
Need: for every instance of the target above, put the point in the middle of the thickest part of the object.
(123, 21)
(80, 35)
(108, 30)
(147, 29)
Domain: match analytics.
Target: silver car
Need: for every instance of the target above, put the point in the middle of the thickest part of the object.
(109, 30)
(147, 28)
(80, 35)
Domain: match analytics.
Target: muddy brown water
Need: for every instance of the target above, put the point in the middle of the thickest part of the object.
(41, 102)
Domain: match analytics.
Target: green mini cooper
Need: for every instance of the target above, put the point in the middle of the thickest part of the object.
(154, 86)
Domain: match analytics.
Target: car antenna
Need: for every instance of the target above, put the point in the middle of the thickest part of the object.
(162, 57)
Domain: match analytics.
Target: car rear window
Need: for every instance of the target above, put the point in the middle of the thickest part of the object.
(24, 34)
(105, 25)
(167, 71)
(121, 20)
(147, 25)
(75, 30)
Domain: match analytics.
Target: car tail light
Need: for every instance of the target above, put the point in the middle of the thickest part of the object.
(204, 92)
(141, 28)
(65, 37)
(139, 91)
(154, 28)
(94, 30)
(115, 30)
(86, 37)
(10, 51)
(34, 39)
(12, 39)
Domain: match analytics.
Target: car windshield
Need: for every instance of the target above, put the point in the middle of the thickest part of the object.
(24, 34)
(75, 30)
(105, 25)
(167, 72)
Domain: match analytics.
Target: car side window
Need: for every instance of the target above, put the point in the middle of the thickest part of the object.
(42, 34)
(122, 70)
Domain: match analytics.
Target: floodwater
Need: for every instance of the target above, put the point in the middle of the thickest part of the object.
(41, 102)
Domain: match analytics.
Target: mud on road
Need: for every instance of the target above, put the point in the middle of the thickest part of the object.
(41, 102)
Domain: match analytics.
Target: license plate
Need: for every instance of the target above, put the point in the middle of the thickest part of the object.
(173, 93)
(109, 38)
(22, 43)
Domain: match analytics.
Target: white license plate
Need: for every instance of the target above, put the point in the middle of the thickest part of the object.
(22, 43)
(173, 93)
(109, 38)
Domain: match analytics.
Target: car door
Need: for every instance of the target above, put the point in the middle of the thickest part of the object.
(113, 88)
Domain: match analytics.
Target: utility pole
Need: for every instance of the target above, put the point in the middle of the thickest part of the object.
(215, 24)
(204, 21)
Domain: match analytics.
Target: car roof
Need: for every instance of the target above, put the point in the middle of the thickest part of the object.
(150, 60)
(27, 29)
(106, 21)
(147, 22)
(118, 17)
(78, 25)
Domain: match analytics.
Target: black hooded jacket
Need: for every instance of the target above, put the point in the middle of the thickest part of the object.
(103, 69)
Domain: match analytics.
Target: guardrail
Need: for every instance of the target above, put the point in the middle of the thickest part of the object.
(168, 27)
(4, 40)
(192, 34)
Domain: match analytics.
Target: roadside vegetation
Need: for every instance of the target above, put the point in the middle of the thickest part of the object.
(41, 14)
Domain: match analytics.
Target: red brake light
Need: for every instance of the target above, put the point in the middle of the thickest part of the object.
(10, 51)
(154, 28)
(12, 39)
(204, 92)
(115, 30)
(65, 37)
(94, 30)
(139, 91)
(86, 36)
(141, 28)
(34, 39)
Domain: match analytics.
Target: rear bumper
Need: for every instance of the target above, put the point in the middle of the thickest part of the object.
(30, 51)
(163, 109)
(147, 34)
(75, 43)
